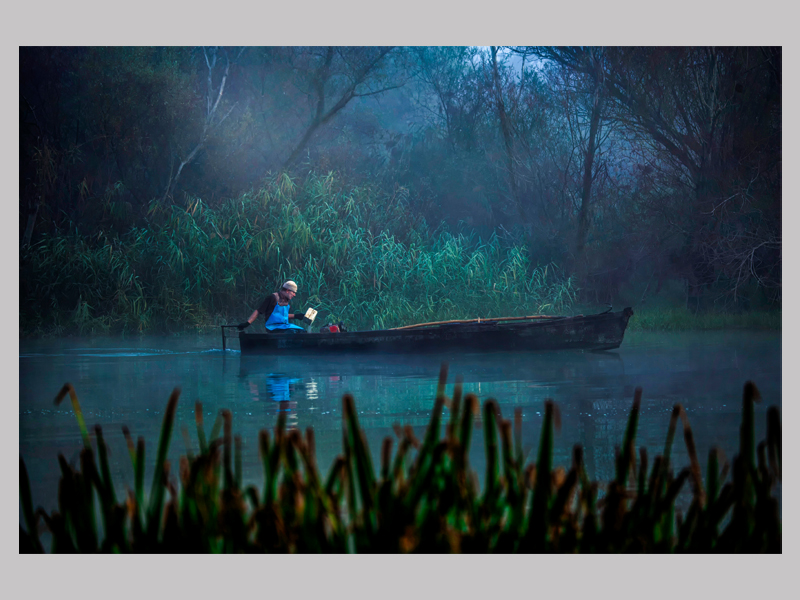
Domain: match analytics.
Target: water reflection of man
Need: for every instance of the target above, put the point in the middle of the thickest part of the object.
(280, 389)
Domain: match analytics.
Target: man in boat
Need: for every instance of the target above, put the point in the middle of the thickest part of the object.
(275, 308)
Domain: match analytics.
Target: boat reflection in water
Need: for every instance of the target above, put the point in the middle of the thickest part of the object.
(545, 367)
(392, 387)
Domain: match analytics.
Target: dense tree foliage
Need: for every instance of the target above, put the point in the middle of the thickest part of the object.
(628, 167)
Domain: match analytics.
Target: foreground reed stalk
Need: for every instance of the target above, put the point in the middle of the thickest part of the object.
(425, 498)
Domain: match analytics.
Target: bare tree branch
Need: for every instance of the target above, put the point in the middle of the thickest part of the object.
(323, 115)
(213, 99)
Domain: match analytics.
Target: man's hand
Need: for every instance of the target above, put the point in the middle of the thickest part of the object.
(299, 315)
(243, 326)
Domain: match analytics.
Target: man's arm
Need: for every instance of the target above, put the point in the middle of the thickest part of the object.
(245, 324)
(267, 306)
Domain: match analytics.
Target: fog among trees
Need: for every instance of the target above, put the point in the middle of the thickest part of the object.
(633, 169)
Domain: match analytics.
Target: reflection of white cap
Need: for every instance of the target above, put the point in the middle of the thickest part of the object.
(290, 285)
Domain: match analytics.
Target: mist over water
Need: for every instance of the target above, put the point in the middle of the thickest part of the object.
(127, 381)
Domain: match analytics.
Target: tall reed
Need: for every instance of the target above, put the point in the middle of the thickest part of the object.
(356, 255)
(422, 497)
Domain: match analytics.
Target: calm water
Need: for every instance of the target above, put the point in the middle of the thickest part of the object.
(128, 381)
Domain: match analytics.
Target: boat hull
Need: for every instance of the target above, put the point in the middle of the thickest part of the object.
(592, 332)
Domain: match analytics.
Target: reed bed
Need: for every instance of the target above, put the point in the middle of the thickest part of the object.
(683, 319)
(422, 497)
(357, 255)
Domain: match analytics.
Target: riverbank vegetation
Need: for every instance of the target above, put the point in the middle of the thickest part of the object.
(170, 188)
(683, 319)
(354, 257)
(423, 497)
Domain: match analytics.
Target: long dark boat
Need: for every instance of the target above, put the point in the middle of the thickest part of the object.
(602, 331)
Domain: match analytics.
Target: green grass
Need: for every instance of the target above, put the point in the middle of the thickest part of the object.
(682, 319)
(421, 497)
(356, 256)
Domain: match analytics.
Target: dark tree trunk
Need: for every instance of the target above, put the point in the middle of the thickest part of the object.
(588, 177)
(507, 139)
